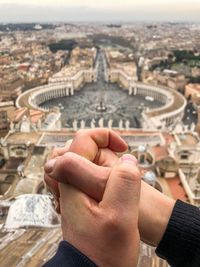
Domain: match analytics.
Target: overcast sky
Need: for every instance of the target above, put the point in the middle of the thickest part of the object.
(99, 10)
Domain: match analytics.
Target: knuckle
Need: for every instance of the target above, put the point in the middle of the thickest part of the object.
(131, 174)
(54, 153)
(112, 222)
(67, 159)
(80, 132)
(61, 166)
(101, 184)
(94, 211)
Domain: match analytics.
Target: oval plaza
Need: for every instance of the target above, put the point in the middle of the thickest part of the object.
(157, 107)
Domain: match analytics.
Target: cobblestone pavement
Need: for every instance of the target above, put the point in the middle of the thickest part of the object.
(120, 106)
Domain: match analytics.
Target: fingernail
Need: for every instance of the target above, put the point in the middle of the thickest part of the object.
(50, 165)
(129, 159)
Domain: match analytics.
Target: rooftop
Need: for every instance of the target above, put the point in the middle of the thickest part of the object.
(188, 139)
(194, 86)
(31, 210)
(23, 138)
(12, 164)
(176, 189)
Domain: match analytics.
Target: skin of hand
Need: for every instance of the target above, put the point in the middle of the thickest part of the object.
(106, 231)
(155, 208)
(97, 145)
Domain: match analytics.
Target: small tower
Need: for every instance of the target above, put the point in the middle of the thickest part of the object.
(142, 154)
(198, 123)
(25, 125)
(150, 178)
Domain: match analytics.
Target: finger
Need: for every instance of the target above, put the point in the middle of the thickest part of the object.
(106, 157)
(71, 196)
(74, 205)
(123, 186)
(79, 172)
(87, 142)
(93, 138)
(61, 150)
(52, 186)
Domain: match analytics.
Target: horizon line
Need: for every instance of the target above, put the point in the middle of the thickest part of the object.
(122, 21)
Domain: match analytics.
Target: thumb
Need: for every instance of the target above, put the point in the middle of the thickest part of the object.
(123, 186)
(79, 172)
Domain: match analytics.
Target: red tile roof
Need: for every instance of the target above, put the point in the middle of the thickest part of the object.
(176, 188)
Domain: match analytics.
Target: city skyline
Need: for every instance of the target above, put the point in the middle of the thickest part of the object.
(141, 80)
(49, 11)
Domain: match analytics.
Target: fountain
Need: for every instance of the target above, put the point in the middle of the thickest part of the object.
(101, 107)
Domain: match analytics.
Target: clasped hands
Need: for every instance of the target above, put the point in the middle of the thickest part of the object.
(105, 208)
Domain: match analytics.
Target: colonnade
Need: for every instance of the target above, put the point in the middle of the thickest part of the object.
(164, 117)
(167, 116)
(42, 96)
(152, 92)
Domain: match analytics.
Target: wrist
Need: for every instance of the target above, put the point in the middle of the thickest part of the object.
(154, 215)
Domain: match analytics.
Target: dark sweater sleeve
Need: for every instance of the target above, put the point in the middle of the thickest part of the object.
(180, 245)
(69, 256)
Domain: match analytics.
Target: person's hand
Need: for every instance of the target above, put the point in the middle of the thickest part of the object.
(155, 208)
(97, 145)
(106, 231)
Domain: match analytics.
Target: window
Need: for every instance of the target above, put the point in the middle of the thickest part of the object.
(184, 156)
